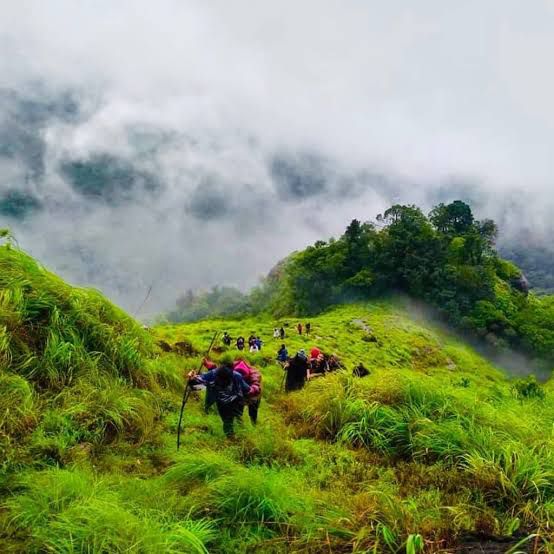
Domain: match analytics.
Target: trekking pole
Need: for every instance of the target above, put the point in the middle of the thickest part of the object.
(186, 393)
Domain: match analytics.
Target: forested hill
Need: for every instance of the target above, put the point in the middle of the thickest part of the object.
(446, 259)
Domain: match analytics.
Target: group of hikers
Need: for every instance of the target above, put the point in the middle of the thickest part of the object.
(234, 384)
(255, 343)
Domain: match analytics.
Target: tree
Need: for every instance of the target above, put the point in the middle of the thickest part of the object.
(455, 218)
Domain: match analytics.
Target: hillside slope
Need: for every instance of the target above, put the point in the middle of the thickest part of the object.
(435, 448)
(436, 442)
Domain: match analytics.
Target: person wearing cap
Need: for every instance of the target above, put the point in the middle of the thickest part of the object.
(298, 372)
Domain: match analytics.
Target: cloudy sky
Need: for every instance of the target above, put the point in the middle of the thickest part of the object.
(188, 143)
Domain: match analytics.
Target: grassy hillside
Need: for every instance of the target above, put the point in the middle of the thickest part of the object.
(435, 449)
(435, 442)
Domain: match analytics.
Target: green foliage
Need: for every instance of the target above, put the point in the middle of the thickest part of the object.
(528, 388)
(52, 333)
(434, 444)
(447, 260)
(71, 511)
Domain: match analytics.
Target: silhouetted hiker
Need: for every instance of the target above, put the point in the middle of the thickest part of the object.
(282, 354)
(240, 343)
(299, 327)
(227, 339)
(297, 372)
(308, 328)
(230, 391)
(258, 343)
(282, 333)
(251, 339)
(275, 333)
(360, 371)
(253, 379)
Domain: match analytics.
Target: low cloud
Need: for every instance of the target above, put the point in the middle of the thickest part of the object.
(184, 144)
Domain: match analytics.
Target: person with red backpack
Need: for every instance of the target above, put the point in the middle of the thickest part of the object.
(253, 379)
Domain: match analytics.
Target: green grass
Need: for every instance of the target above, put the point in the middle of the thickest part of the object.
(435, 444)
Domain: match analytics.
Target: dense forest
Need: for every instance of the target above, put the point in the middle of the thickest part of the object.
(446, 259)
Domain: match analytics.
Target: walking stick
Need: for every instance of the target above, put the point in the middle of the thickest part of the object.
(186, 394)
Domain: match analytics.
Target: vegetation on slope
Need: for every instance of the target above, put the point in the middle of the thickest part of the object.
(447, 260)
(432, 448)
(436, 443)
(78, 393)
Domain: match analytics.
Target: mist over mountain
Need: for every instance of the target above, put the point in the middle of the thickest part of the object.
(182, 145)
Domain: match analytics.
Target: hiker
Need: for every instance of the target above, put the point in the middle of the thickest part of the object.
(254, 347)
(298, 372)
(251, 339)
(299, 328)
(318, 363)
(227, 339)
(253, 379)
(240, 343)
(282, 333)
(275, 333)
(308, 328)
(259, 342)
(282, 354)
(333, 363)
(315, 352)
(230, 391)
(360, 371)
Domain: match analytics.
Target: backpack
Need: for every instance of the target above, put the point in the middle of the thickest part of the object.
(228, 394)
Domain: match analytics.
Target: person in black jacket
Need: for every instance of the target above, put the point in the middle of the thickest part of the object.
(229, 390)
(298, 372)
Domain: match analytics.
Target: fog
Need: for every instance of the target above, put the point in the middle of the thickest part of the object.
(182, 144)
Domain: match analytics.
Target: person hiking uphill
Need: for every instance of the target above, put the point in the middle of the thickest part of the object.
(299, 328)
(282, 354)
(227, 339)
(318, 363)
(298, 372)
(282, 333)
(308, 328)
(230, 391)
(253, 379)
(240, 343)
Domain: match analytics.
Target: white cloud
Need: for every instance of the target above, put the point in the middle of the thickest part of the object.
(204, 94)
